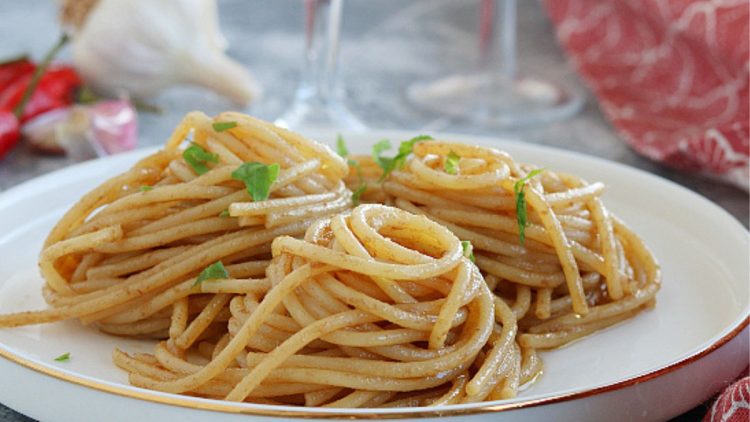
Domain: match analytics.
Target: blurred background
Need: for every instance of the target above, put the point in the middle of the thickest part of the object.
(385, 47)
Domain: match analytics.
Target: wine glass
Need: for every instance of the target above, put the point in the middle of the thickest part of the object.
(504, 98)
(317, 101)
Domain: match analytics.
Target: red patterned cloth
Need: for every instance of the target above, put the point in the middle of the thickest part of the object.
(733, 405)
(671, 75)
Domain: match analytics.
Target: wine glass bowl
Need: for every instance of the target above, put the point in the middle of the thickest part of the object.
(494, 100)
(492, 97)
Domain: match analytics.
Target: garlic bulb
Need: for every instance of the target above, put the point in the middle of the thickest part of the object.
(143, 46)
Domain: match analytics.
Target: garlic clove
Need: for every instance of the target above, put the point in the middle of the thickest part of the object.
(223, 76)
(141, 47)
(41, 131)
(113, 126)
(211, 13)
(84, 131)
(73, 135)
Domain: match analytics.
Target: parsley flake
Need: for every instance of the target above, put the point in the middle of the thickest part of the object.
(198, 158)
(397, 162)
(407, 147)
(63, 358)
(258, 178)
(362, 188)
(341, 148)
(451, 163)
(377, 153)
(222, 126)
(215, 271)
(521, 209)
(468, 250)
(145, 188)
(224, 214)
(343, 151)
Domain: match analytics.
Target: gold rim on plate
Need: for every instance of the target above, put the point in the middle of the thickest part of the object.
(267, 410)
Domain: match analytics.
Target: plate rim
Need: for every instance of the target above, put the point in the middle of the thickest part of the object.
(734, 328)
(385, 413)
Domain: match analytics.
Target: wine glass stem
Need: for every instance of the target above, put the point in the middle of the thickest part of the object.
(498, 42)
(507, 41)
(486, 28)
(317, 102)
(323, 24)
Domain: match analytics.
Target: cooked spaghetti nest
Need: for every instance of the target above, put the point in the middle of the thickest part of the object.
(378, 307)
(580, 268)
(126, 256)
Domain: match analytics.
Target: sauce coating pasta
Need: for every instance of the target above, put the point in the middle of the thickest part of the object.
(243, 254)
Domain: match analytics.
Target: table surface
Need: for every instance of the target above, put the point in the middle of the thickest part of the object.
(386, 46)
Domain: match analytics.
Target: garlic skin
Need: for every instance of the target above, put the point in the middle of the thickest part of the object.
(141, 47)
(83, 132)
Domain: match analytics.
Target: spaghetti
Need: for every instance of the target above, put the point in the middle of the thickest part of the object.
(580, 268)
(243, 255)
(374, 308)
(126, 258)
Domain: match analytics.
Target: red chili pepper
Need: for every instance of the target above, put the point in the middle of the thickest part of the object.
(9, 132)
(56, 89)
(12, 69)
(27, 90)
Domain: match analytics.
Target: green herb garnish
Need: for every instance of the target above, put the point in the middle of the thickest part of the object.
(224, 214)
(145, 188)
(377, 153)
(521, 217)
(343, 151)
(397, 162)
(63, 358)
(198, 158)
(215, 271)
(222, 126)
(407, 147)
(258, 178)
(468, 250)
(362, 188)
(341, 148)
(451, 163)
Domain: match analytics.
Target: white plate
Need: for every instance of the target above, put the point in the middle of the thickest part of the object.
(657, 365)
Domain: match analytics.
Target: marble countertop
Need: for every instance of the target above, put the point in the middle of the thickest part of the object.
(386, 45)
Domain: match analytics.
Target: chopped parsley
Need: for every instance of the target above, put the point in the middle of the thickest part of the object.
(145, 188)
(361, 188)
(63, 358)
(468, 250)
(222, 126)
(343, 151)
(407, 147)
(341, 148)
(224, 214)
(404, 149)
(258, 178)
(521, 209)
(198, 158)
(215, 271)
(451, 163)
(377, 154)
